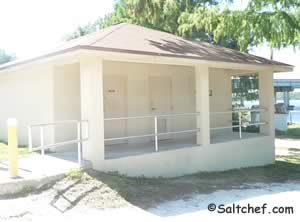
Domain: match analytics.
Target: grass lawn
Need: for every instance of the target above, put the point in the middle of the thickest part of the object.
(293, 132)
(23, 152)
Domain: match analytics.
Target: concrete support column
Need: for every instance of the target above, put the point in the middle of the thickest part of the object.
(286, 98)
(91, 86)
(202, 104)
(266, 100)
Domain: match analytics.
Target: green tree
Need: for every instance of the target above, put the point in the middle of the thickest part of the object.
(275, 22)
(5, 57)
(244, 88)
(156, 14)
(159, 14)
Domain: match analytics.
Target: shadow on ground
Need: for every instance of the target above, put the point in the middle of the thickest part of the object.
(110, 190)
(148, 193)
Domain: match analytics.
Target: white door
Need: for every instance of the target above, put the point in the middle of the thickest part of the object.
(115, 106)
(161, 101)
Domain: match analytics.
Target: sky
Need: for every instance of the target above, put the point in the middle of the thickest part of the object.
(287, 55)
(30, 27)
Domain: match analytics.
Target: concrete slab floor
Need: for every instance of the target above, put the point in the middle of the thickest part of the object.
(131, 149)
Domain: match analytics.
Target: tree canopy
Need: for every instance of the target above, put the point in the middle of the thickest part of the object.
(5, 57)
(244, 88)
(274, 22)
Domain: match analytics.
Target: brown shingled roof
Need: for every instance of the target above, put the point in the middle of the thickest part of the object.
(136, 39)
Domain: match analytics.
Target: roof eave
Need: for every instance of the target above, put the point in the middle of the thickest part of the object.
(21, 62)
(7, 66)
(276, 68)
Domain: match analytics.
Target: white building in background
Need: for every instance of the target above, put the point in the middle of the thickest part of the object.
(285, 83)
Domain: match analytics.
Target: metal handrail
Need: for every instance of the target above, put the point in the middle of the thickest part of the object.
(44, 146)
(236, 126)
(58, 144)
(240, 125)
(57, 123)
(240, 110)
(155, 134)
(151, 116)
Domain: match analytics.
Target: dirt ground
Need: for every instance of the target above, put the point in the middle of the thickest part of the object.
(147, 193)
(95, 194)
(103, 190)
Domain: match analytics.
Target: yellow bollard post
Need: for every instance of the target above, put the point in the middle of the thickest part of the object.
(12, 147)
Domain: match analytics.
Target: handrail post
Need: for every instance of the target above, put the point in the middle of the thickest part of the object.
(155, 132)
(79, 144)
(240, 124)
(42, 140)
(29, 138)
(87, 131)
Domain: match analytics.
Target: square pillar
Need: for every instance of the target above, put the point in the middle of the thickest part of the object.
(91, 86)
(202, 104)
(266, 100)
(286, 98)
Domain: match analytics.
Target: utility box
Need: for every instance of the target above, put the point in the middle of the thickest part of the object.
(281, 121)
(281, 117)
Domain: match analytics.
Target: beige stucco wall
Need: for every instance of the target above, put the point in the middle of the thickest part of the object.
(26, 95)
(56, 91)
(136, 77)
(215, 157)
(42, 94)
(266, 101)
(220, 100)
(66, 98)
(91, 88)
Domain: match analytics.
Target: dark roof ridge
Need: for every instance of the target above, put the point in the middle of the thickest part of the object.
(118, 26)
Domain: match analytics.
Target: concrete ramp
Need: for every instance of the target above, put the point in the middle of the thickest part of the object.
(37, 170)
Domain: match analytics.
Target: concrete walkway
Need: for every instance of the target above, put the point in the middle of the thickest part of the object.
(288, 143)
(40, 207)
(283, 151)
(286, 147)
(36, 171)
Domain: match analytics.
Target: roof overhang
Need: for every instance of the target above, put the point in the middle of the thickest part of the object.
(140, 56)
